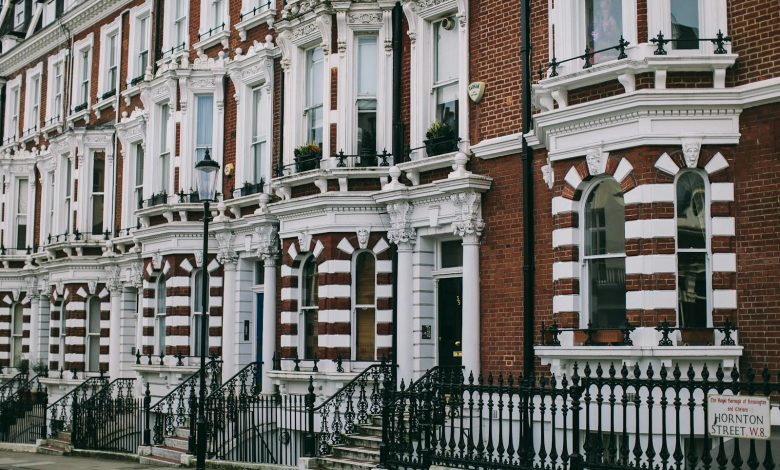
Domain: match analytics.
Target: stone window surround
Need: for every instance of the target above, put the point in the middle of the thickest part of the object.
(19, 171)
(12, 86)
(131, 131)
(160, 92)
(31, 121)
(87, 43)
(136, 14)
(51, 113)
(115, 27)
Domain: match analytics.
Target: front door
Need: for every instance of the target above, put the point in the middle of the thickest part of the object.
(450, 313)
(259, 338)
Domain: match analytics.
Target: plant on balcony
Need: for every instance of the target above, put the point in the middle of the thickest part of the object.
(441, 138)
(40, 368)
(307, 157)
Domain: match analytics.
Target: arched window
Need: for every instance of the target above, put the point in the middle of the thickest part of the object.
(692, 250)
(198, 309)
(309, 310)
(365, 306)
(93, 335)
(17, 333)
(63, 313)
(160, 293)
(605, 255)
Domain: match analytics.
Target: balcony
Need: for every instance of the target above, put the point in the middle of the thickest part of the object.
(218, 35)
(256, 12)
(164, 208)
(311, 174)
(76, 243)
(562, 348)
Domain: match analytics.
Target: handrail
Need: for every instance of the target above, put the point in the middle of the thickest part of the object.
(94, 413)
(361, 376)
(194, 376)
(80, 388)
(234, 378)
(17, 380)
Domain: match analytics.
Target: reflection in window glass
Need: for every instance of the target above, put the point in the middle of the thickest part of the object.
(692, 250)
(603, 26)
(692, 289)
(451, 254)
(685, 24)
(691, 199)
(445, 80)
(605, 255)
(314, 80)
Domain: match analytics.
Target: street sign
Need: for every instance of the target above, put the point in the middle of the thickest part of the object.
(738, 416)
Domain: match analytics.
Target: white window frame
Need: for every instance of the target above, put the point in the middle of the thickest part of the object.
(90, 335)
(165, 154)
(17, 337)
(307, 107)
(17, 215)
(105, 83)
(79, 66)
(32, 112)
(302, 309)
(49, 12)
(707, 250)
(713, 17)
(65, 217)
(12, 106)
(160, 316)
(172, 20)
(54, 114)
(211, 20)
(51, 190)
(201, 83)
(19, 15)
(138, 154)
(132, 133)
(196, 315)
(63, 330)
(93, 194)
(259, 136)
(136, 41)
(366, 98)
(202, 145)
(356, 306)
(585, 312)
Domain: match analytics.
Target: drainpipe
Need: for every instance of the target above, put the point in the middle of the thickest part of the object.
(157, 32)
(398, 50)
(2, 107)
(280, 158)
(528, 196)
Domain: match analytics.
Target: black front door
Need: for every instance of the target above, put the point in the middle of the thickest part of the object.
(450, 313)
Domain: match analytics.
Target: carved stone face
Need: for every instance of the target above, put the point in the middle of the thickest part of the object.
(594, 160)
(691, 151)
(362, 236)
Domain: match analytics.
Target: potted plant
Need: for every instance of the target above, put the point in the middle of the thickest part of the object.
(307, 157)
(40, 368)
(441, 138)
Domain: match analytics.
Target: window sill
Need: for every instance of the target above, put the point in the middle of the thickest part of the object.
(553, 91)
(79, 116)
(103, 104)
(31, 136)
(130, 92)
(250, 22)
(54, 126)
(223, 38)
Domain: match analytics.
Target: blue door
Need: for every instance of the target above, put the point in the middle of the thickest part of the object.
(259, 337)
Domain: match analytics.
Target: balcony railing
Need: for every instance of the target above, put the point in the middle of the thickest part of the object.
(719, 40)
(362, 160)
(254, 11)
(173, 50)
(588, 57)
(251, 188)
(155, 200)
(621, 336)
(211, 31)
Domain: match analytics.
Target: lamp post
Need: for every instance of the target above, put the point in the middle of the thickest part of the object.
(207, 171)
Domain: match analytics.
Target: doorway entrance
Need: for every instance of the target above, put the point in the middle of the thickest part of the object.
(450, 320)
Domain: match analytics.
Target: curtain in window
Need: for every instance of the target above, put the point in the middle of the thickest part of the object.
(604, 26)
(692, 250)
(605, 257)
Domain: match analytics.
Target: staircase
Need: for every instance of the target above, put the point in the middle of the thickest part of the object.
(360, 450)
(170, 453)
(59, 445)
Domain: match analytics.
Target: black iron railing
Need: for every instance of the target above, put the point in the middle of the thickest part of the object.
(23, 413)
(251, 188)
(719, 41)
(12, 385)
(363, 160)
(156, 200)
(550, 335)
(173, 50)
(211, 31)
(110, 420)
(61, 412)
(178, 409)
(254, 11)
(588, 57)
(613, 418)
(246, 426)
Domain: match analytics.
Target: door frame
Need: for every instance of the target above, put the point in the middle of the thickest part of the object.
(440, 273)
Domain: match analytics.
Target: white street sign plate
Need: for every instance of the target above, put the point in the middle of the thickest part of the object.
(738, 416)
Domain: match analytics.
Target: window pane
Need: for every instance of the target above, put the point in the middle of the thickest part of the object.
(164, 116)
(691, 211)
(160, 334)
(94, 354)
(447, 105)
(97, 214)
(161, 296)
(607, 292)
(198, 292)
(446, 46)
(197, 328)
(204, 125)
(367, 127)
(309, 283)
(367, 65)
(366, 321)
(314, 62)
(165, 172)
(605, 220)
(604, 26)
(315, 126)
(310, 329)
(257, 121)
(21, 206)
(18, 326)
(94, 316)
(451, 254)
(139, 165)
(365, 279)
(259, 161)
(98, 173)
(685, 24)
(692, 289)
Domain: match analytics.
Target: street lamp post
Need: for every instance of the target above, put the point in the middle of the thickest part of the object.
(207, 172)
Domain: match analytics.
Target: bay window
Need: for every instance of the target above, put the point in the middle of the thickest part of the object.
(98, 185)
(445, 73)
(198, 310)
(692, 250)
(309, 309)
(21, 213)
(204, 126)
(314, 103)
(366, 97)
(259, 137)
(165, 153)
(604, 259)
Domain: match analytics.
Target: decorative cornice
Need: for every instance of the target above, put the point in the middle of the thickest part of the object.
(79, 19)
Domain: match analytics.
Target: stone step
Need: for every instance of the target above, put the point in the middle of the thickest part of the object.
(369, 430)
(167, 452)
(337, 463)
(49, 450)
(366, 454)
(59, 443)
(159, 461)
(183, 433)
(359, 440)
(64, 435)
(376, 420)
(176, 443)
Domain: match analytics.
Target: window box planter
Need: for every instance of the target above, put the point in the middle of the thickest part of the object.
(599, 338)
(696, 337)
(251, 188)
(307, 157)
(441, 145)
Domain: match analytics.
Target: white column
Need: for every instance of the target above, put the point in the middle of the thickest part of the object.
(128, 324)
(471, 315)
(229, 332)
(115, 331)
(404, 303)
(41, 335)
(269, 321)
(35, 320)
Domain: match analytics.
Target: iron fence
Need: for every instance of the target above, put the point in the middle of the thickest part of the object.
(613, 418)
(23, 413)
(112, 419)
(61, 412)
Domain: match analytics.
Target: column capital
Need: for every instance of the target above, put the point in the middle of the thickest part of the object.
(401, 231)
(267, 237)
(468, 223)
(113, 279)
(226, 254)
(32, 287)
